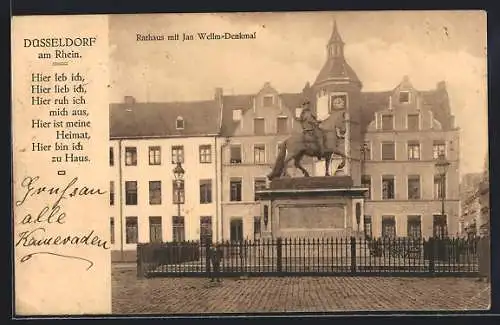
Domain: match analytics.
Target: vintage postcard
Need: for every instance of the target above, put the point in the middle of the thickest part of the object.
(250, 163)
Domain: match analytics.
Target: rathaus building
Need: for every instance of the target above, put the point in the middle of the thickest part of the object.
(393, 139)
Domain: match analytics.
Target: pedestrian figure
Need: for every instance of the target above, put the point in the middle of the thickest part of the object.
(215, 259)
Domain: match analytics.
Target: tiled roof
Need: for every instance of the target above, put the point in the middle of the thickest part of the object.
(371, 103)
(440, 103)
(292, 101)
(436, 99)
(231, 103)
(239, 101)
(336, 68)
(203, 117)
(159, 119)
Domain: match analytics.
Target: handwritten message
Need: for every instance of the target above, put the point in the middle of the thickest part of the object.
(52, 214)
(61, 183)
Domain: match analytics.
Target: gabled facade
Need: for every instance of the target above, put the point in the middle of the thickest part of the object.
(405, 139)
(254, 125)
(392, 137)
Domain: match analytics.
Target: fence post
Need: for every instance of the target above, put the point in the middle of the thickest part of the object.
(484, 258)
(278, 255)
(353, 255)
(207, 256)
(431, 246)
(140, 262)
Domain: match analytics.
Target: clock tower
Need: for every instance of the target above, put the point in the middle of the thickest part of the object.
(336, 93)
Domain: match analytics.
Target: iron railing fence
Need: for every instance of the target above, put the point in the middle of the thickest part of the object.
(312, 256)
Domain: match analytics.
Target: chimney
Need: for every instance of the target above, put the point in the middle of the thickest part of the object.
(441, 85)
(130, 100)
(452, 121)
(218, 96)
(307, 91)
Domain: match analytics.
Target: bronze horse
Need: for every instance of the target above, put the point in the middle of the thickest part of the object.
(302, 144)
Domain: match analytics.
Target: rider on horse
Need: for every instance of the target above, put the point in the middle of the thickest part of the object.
(310, 122)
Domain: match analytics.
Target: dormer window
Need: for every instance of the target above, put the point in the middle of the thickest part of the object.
(179, 123)
(404, 97)
(268, 101)
(237, 115)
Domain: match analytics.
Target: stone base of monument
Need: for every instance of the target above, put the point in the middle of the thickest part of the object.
(312, 207)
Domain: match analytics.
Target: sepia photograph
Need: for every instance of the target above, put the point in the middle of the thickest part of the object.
(287, 162)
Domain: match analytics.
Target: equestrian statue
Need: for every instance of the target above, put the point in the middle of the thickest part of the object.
(313, 142)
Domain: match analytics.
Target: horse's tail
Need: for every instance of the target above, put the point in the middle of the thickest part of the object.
(280, 162)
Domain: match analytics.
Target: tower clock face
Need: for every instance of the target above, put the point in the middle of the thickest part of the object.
(338, 102)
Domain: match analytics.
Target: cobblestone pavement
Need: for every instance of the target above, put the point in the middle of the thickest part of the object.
(293, 294)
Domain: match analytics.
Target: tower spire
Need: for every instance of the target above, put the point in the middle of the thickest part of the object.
(335, 45)
(335, 37)
(336, 65)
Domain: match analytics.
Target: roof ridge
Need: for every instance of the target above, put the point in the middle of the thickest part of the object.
(238, 95)
(254, 95)
(164, 103)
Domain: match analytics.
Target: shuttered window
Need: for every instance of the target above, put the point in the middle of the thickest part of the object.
(388, 151)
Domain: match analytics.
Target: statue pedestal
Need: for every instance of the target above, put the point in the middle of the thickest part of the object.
(311, 207)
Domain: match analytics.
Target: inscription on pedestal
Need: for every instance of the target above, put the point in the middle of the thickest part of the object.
(312, 182)
(311, 217)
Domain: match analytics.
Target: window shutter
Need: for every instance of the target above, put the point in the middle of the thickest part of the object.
(388, 151)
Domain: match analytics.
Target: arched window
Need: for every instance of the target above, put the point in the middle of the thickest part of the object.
(179, 123)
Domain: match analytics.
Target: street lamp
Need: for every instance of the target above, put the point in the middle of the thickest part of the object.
(364, 148)
(358, 214)
(179, 180)
(442, 167)
(266, 215)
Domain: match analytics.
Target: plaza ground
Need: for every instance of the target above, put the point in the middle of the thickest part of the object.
(293, 294)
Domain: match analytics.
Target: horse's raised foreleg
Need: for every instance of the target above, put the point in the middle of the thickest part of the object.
(299, 166)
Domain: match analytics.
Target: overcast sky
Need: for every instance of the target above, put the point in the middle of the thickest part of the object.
(289, 50)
